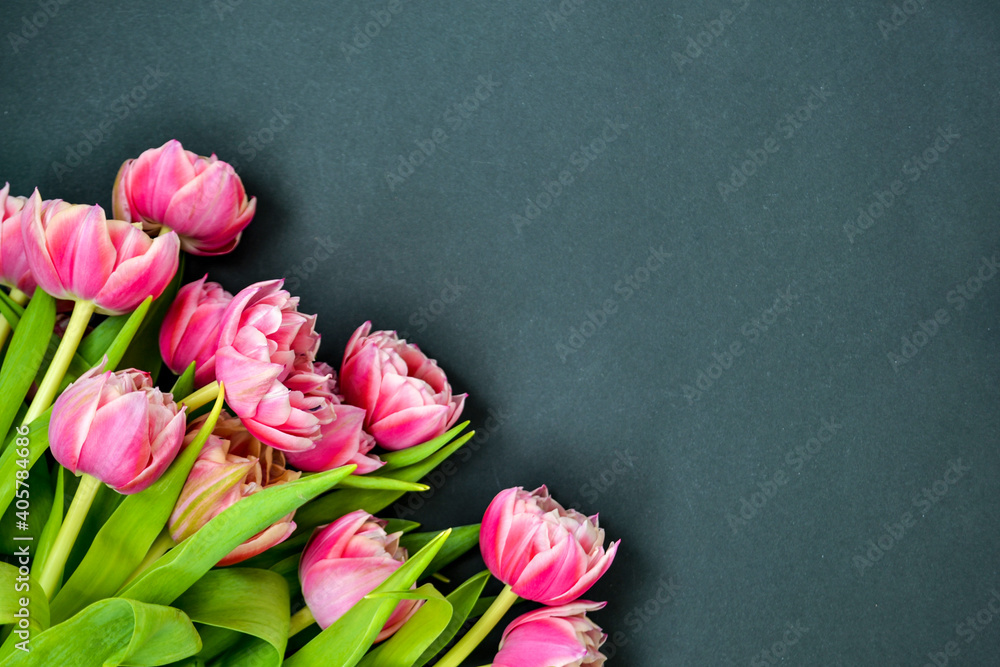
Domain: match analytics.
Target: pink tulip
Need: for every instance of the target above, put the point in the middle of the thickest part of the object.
(261, 336)
(231, 466)
(553, 637)
(342, 438)
(542, 551)
(76, 253)
(405, 394)
(201, 198)
(190, 330)
(347, 560)
(116, 427)
(14, 269)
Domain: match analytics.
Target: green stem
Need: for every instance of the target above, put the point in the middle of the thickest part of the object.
(60, 361)
(471, 640)
(70, 528)
(19, 297)
(300, 620)
(162, 545)
(201, 397)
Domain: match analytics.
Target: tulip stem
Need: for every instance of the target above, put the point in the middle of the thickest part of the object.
(300, 620)
(201, 397)
(162, 545)
(20, 298)
(49, 386)
(471, 640)
(75, 515)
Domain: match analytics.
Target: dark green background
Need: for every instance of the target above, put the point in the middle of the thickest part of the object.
(568, 399)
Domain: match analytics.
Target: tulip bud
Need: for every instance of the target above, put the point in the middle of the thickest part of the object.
(261, 336)
(542, 551)
(406, 396)
(76, 253)
(231, 466)
(190, 330)
(342, 438)
(347, 560)
(116, 427)
(200, 198)
(553, 637)
(14, 269)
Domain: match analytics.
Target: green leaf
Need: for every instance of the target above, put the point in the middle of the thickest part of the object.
(250, 601)
(54, 522)
(413, 455)
(131, 324)
(184, 384)
(380, 483)
(183, 565)
(145, 352)
(30, 512)
(24, 356)
(113, 632)
(15, 587)
(123, 541)
(462, 540)
(335, 505)
(462, 600)
(11, 310)
(345, 642)
(37, 435)
(405, 647)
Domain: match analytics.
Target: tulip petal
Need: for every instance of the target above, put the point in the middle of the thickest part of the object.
(410, 427)
(117, 442)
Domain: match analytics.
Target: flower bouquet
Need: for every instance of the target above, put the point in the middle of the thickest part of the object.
(184, 482)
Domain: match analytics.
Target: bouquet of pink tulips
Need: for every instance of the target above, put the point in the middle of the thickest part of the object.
(183, 482)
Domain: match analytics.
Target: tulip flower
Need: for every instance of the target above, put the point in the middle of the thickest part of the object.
(201, 198)
(76, 253)
(542, 551)
(342, 438)
(406, 395)
(116, 427)
(260, 337)
(553, 637)
(190, 330)
(231, 466)
(14, 270)
(347, 560)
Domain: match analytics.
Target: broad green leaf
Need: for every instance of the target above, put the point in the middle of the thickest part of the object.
(251, 601)
(118, 346)
(345, 642)
(462, 600)
(183, 565)
(279, 552)
(24, 356)
(462, 540)
(123, 541)
(413, 455)
(184, 384)
(405, 647)
(400, 526)
(380, 483)
(11, 463)
(54, 522)
(16, 588)
(113, 632)
(335, 505)
(11, 310)
(145, 352)
(29, 512)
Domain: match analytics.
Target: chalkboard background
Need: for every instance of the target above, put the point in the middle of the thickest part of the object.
(724, 271)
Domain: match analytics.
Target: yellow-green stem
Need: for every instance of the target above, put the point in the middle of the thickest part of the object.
(300, 620)
(162, 545)
(46, 393)
(471, 640)
(70, 528)
(18, 297)
(201, 397)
